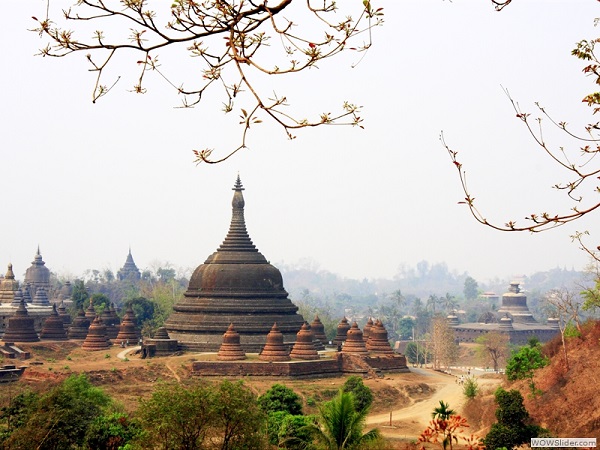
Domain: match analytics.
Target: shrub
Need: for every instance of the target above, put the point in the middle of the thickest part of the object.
(363, 397)
(280, 398)
(470, 388)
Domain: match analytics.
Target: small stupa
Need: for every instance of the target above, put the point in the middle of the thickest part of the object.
(8, 286)
(318, 330)
(64, 315)
(304, 347)
(80, 326)
(354, 341)
(342, 332)
(90, 312)
(53, 328)
(275, 349)
(20, 326)
(26, 292)
(96, 338)
(378, 339)
(367, 329)
(319, 346)
(111, 321)
(41, 298)
(128, 331)
(160, 345)
(231, 350)
(161, 333)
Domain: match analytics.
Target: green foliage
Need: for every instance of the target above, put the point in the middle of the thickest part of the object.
(405, 327)
(363, 397)
(470, 288)
(443, 411)
(101, 302)
(571, 331)
(413, 351)
(113, 431)
(280, 398)
(142, 308)
(295, 432)
(238, 419)
(341, 425)
(274, 421)
(592, 296)
(514, 426)
(524, 362)
(59, 418)
(79, 294)
(289, 431)
(177, 417)
(470, 388)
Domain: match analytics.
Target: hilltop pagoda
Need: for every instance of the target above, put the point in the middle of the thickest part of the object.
(236, 284)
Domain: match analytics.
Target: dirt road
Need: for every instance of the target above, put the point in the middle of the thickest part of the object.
(409, 422)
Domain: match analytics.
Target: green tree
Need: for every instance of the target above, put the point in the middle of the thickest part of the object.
(142, 308)
(177, 417)
(61, 417)
(414, 351)
(406, 327)
(280, 398)
(101, 302)
(238, 421)
(470, 388)
(471, 289)
(111, 432)
(443, 411)
(295, 432)
(341, 426)
(524, 362)
(79, 294)
(513, 427)
(363, 397)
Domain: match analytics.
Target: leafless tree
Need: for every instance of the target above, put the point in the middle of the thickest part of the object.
(494, 348)
(233, 43)
(566, 305)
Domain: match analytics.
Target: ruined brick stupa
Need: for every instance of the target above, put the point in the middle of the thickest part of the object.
(235, 285)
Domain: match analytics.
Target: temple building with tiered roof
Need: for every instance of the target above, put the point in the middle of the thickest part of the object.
(129, 271)
(513, 318)
(37, 275)
(235, 285)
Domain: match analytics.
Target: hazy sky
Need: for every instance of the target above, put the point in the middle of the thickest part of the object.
(85, 181)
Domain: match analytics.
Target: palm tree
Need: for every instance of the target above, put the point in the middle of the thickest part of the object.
(443, 411)
(340, 425)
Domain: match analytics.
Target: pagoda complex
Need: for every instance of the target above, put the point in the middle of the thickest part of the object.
(235, 285)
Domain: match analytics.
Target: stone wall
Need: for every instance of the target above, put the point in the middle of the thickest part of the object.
(517, 337)
(340, 363)
(288, 369)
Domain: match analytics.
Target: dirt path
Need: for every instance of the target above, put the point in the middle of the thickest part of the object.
(409, 422)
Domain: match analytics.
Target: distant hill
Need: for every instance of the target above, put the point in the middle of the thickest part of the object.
(424, 280)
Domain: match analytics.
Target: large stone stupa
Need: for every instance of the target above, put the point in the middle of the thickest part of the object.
(235, 285)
